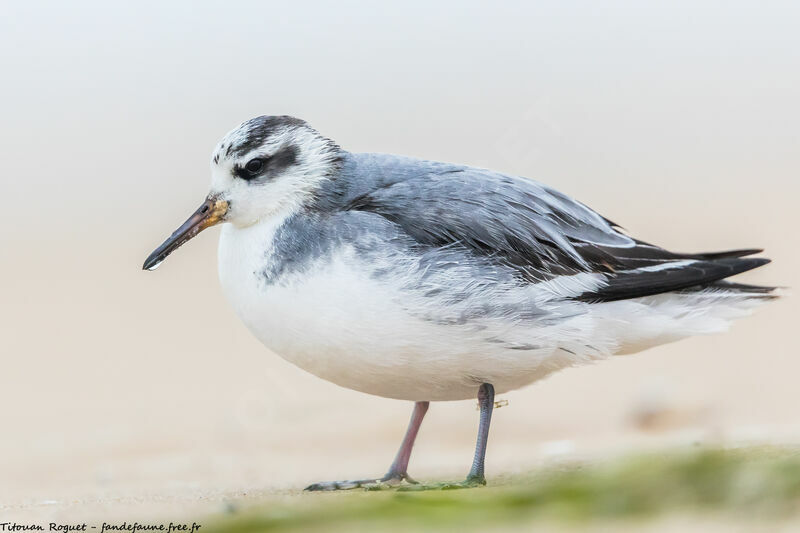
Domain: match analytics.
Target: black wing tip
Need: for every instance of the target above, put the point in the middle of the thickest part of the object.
(730, 253)
(699, 273)
(748, 263)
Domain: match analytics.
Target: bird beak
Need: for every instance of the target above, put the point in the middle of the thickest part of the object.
(212, 212)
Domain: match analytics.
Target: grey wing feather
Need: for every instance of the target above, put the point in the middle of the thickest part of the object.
(539, 232)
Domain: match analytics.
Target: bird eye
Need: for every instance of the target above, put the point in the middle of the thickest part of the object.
(254, 166)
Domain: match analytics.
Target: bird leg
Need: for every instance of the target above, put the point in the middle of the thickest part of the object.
(486, 403)
(475, 476)
(397, 472)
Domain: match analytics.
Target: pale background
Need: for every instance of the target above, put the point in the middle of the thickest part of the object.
(123, 391)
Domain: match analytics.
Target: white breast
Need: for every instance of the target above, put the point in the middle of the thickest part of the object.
(344, 326)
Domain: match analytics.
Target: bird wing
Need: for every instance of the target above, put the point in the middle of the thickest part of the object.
(538, 231)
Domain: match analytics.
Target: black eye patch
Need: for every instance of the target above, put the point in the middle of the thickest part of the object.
(267, 166)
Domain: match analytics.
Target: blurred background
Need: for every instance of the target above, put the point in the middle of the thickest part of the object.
(131, 392)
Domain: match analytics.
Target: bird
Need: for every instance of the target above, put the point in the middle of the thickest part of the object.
(427, 281)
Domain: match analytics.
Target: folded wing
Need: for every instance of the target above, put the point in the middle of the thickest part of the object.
(540, 233)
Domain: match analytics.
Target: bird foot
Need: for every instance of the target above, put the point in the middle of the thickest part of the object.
(389, 481)
(469, 483)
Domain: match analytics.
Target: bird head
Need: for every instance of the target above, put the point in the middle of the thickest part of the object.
(265, 166)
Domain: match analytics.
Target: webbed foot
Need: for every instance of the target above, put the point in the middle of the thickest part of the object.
(389, 481)
(469, 483)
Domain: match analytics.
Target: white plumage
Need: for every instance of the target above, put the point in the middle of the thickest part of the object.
(338, 323)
